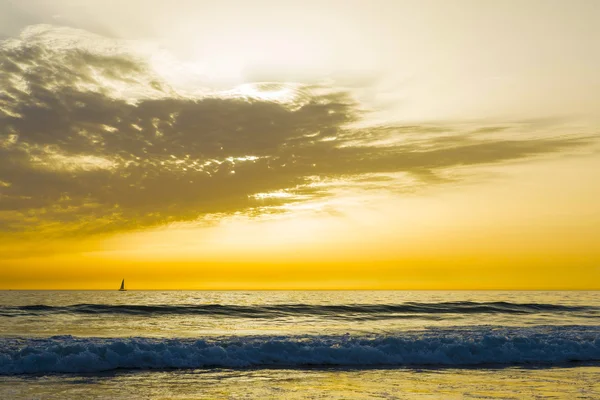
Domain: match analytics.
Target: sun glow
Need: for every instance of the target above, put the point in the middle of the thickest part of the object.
(266, 91)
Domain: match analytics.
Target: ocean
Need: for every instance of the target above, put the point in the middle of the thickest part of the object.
(299, 344)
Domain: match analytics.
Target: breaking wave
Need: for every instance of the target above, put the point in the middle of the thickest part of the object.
(351, 311)
(448, 347)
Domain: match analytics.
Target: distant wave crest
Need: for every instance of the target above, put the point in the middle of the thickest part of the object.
(350, 311)
(451, 347)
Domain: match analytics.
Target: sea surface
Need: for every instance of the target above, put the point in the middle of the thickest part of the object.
(299, 344)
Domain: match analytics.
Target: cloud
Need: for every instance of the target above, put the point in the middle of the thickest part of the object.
(95, 140)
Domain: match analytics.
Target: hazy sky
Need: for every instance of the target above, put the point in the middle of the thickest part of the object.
(314, 144)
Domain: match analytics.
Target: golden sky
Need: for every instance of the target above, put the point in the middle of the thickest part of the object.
(291, 145)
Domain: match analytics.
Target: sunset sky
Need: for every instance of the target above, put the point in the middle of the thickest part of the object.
(299, 145)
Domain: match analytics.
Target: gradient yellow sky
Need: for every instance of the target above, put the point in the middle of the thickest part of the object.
(291, 145)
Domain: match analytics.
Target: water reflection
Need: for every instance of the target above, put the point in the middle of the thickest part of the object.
(505, 383)
(191, 314)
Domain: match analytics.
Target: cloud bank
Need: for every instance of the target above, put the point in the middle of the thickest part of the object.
(93, 139)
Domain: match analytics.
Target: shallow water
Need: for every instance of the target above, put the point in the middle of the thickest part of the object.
(379, 344)
(508, 383)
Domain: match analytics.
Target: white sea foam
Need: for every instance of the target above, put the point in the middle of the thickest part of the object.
(452, 347)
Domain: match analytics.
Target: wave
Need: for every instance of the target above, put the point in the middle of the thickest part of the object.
(449, 347)
(367, 311)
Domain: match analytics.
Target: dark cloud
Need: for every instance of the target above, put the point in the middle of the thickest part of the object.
(74, 153)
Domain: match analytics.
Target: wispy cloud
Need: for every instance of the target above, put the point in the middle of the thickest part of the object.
(96, 140)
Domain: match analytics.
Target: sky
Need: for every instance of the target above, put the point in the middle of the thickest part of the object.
(299, 145)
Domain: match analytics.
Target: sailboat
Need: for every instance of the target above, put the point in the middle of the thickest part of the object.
(122, 288)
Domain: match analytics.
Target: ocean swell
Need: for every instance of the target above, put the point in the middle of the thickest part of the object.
(350, 311)
(451, 347)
